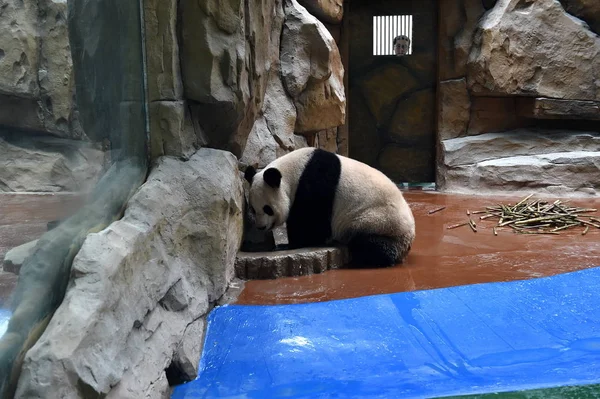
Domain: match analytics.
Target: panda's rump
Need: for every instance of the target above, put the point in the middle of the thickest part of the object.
(371, 216)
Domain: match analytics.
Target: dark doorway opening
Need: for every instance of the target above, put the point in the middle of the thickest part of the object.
(392, 76)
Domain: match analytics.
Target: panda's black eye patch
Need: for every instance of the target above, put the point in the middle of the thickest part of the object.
(268, 210)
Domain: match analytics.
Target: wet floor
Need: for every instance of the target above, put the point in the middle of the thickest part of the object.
(444, 257)
(24, 218)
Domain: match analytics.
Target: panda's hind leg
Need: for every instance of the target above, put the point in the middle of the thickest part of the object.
(369, 250)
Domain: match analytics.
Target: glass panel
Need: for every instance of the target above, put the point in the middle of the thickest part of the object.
(98, 142)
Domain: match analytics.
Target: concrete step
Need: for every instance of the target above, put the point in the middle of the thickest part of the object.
(473, 149)
(565, 163)
(564, 174)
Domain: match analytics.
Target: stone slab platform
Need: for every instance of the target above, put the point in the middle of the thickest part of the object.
(288, 263)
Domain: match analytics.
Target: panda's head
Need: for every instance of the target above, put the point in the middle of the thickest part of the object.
(269, 201)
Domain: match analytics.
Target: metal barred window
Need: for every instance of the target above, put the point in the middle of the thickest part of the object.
(386, 28)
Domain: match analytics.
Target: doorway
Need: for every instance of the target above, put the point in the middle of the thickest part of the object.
(392, 73)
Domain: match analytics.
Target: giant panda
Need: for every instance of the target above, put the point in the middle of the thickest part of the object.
(326, 198)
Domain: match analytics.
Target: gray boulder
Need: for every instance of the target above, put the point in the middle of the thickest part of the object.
(534, 48)
(139, 288)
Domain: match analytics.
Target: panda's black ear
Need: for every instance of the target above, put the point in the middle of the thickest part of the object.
(249, 174)
(272, 177)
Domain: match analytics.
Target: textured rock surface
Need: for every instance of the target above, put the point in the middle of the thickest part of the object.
(172, 131)
(289, 263)
(493, 114)
(36, 71)
(411, 122)
(545, 174)
(521, 160)
(55, 72)
(327, 140)
(272, 134)
(16, 256)
(279, 111)
(484, 147)
(331, 11)
(162, 50)
(455, 105)
(227, 51)
(138, 285)
(261, 147)
(312, 71)
(20, 48)
(551, 108)
(35, 164)
(188, 352)
(471, 12)
(534, 48)
(457, 29)
(384, 86)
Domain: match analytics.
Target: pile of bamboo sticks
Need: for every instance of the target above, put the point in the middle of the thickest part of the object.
(535, 217)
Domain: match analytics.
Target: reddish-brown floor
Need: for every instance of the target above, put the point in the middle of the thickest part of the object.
(442, 257)
(24, 218)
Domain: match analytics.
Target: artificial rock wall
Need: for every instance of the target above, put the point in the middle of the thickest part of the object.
(519, 96)
(256, 78)
(42, 145)
(228, 84)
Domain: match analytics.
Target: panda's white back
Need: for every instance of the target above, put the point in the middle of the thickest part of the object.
(368, 201)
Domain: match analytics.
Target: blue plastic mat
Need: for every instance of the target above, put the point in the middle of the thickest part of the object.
(462, 340)
(4, 317)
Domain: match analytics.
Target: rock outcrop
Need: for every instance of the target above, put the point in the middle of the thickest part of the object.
(550, 173)
(36, 71)
(328, 11)
(455, 104)
(508, 68)
(162, 49)
(227, 50)
(48, 164)
(132, 319)
(522, 160)
(140, 288)
(273, 133)
(534, 48)
(312, 71)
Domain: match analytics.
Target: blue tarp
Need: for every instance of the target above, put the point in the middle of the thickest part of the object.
(461, 340)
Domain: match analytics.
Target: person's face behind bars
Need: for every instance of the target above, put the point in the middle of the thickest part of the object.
(401, 45)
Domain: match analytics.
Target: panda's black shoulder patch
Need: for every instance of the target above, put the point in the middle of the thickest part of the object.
(309, 220)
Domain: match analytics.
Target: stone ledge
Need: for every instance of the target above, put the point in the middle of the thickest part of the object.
(565, 174)
(471, 150)
(289, 263)
(552, 108)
